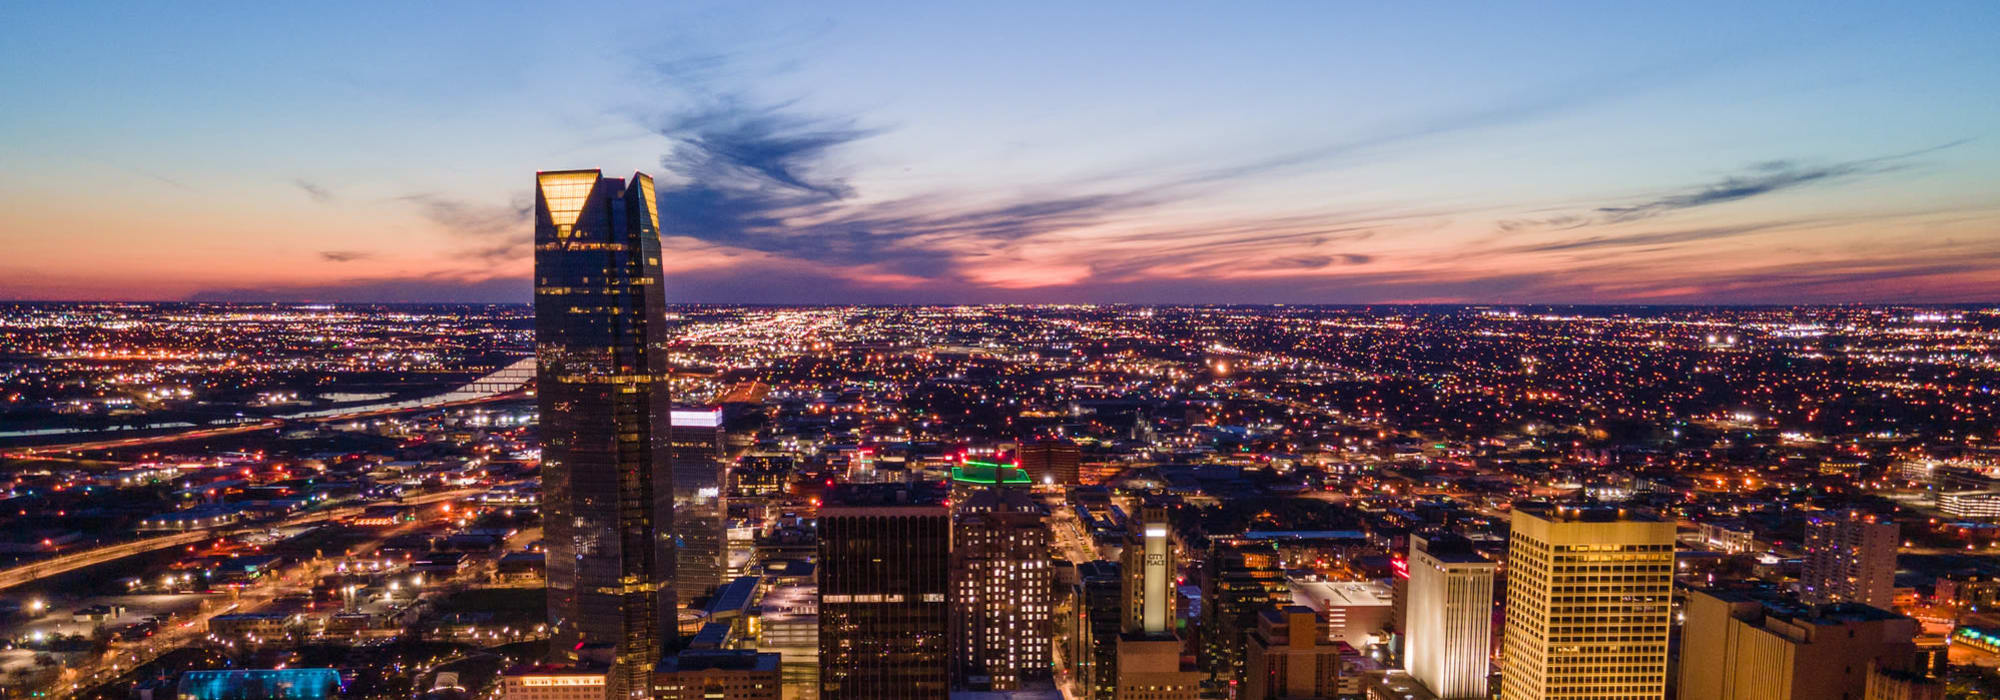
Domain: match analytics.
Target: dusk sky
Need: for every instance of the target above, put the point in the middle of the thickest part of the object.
(1311, 152)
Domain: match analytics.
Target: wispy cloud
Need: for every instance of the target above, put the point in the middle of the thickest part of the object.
(758, 146)
(767, 177)
(1762, 178)
(1756, 180)
(495, 232)
(1642, 239)
(314, 190)
(341, 256)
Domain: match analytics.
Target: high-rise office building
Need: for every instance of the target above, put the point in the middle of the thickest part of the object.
(1759, 645)
(1052, 461)
(1589, 598)
(1093, 648)
(1240, 579)
(1152, 664)
(884, 622)
(1448, 644)
(1148, 567)
(701, 515)
(1001, 591)
(601, 378)
(1290, 656)
(1850, 558)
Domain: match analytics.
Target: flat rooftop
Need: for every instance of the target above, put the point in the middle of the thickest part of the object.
(1583, 512)
(1320, 595)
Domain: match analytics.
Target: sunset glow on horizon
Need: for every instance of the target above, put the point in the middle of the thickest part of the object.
(1294, 153)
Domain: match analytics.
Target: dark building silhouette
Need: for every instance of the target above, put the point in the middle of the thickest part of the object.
(601, 381)
(1100, 616)
(1241, 579)
(884, 619)
(1052, 461)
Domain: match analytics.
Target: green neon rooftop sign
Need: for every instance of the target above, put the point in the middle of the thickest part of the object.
(989, 473)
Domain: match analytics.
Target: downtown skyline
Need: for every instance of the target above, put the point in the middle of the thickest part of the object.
(1115, 153)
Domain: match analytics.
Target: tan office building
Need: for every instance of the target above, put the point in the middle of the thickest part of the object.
(552, 683)
(1757, 645)
(1589, 596)
(1151, 662)
(1289, 656)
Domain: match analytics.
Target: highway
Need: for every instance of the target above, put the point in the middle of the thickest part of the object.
(193, 434)
(183, 631)
(72, 561)
(46, 451)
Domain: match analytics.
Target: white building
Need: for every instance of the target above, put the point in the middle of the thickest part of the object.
(1449, 643)
(1356, 612)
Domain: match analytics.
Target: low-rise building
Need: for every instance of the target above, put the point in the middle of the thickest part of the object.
(253, 625)
(718, 674)
(552, 682)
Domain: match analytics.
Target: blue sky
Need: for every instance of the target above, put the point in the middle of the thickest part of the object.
(957, 152)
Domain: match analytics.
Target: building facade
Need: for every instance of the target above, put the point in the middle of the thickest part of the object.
(552, 683)
(1589, 600)
(1850, 558)
(601, 378)
(1448, 645)
(1002, 591)
(718, 674)
(701, 513)
(1751, 645)
(884, 622)
(1100, 616)
(1052, 461)
(1289, 656)
(1240, 578)
(1152, 661)
(1148, 564)
(1155, 667)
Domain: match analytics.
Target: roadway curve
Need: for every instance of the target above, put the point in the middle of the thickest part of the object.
(44, 451)
(34, 571)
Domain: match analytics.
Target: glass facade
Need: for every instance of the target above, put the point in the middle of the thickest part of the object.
(601, 381)
(884, 553)
(700, 509)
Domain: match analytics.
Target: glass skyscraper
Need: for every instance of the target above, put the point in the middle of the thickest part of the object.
(601, 378)
(884, 559)
(700, 510)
